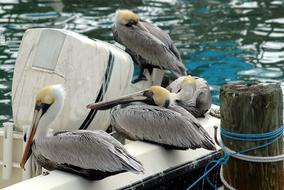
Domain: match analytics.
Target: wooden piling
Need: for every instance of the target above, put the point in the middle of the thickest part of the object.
(253, 108)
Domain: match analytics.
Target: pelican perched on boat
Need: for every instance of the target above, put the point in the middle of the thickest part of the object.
(152, 115)
(149, 46)
(193, 94)
(91, 154)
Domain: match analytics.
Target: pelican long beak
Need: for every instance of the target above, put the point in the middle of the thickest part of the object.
(141, 27)
(38, 113)
(142, 96)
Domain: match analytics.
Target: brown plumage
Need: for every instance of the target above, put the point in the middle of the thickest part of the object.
(91, 154)
(149, 46)
(193, 94)
(153, 116)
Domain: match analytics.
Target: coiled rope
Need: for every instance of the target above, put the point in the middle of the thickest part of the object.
(271, 137)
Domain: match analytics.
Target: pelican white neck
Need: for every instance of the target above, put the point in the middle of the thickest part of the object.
(55, 108)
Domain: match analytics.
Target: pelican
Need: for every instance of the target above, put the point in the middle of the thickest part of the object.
(193, 94)
(91, 154)
(152, 115)
(148, 45)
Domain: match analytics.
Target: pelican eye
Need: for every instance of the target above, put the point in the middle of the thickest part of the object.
(148, 94)
(131, 22)
(179, 90)
(25, 137)
(42, 106)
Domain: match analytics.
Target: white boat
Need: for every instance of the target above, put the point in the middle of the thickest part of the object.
(50, 56)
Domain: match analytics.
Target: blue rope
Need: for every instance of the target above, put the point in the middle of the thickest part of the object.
(252, 136)
(273, 136)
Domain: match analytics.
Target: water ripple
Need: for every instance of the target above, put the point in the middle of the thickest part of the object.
(270, 73)
(219, 40)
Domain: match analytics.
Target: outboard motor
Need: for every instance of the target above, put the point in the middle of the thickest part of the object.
(89, 70)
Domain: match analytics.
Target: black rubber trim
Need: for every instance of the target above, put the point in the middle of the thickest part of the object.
(104, 86)
(170, 179)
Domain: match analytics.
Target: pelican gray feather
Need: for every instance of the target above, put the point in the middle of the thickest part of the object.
(193, 94)
(148, 45)
(91, 154)
(160, 125)
(156, 118)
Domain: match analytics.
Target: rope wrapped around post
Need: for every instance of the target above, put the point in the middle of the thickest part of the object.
(251, 138)
(273, 136)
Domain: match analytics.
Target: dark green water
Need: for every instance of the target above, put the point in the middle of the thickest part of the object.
(221, 40)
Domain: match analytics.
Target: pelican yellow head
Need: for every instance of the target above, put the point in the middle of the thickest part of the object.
(45, 95)
(189, 81)
(155, 95)
(48, 98)
(160, 95)
(187, 89)
(126, 17)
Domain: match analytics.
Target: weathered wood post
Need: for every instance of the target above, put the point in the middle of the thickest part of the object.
(252, 108)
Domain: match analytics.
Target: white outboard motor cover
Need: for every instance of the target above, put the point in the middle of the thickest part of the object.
(89, 71)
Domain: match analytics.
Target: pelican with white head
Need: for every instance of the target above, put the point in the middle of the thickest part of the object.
(153, 115)
(86, 153)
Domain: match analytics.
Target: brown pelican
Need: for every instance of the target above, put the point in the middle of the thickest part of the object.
(156, 118)
(193, 94)
(148, 45)
(91, 154)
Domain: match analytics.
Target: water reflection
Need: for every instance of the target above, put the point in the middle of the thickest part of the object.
(220, 40)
